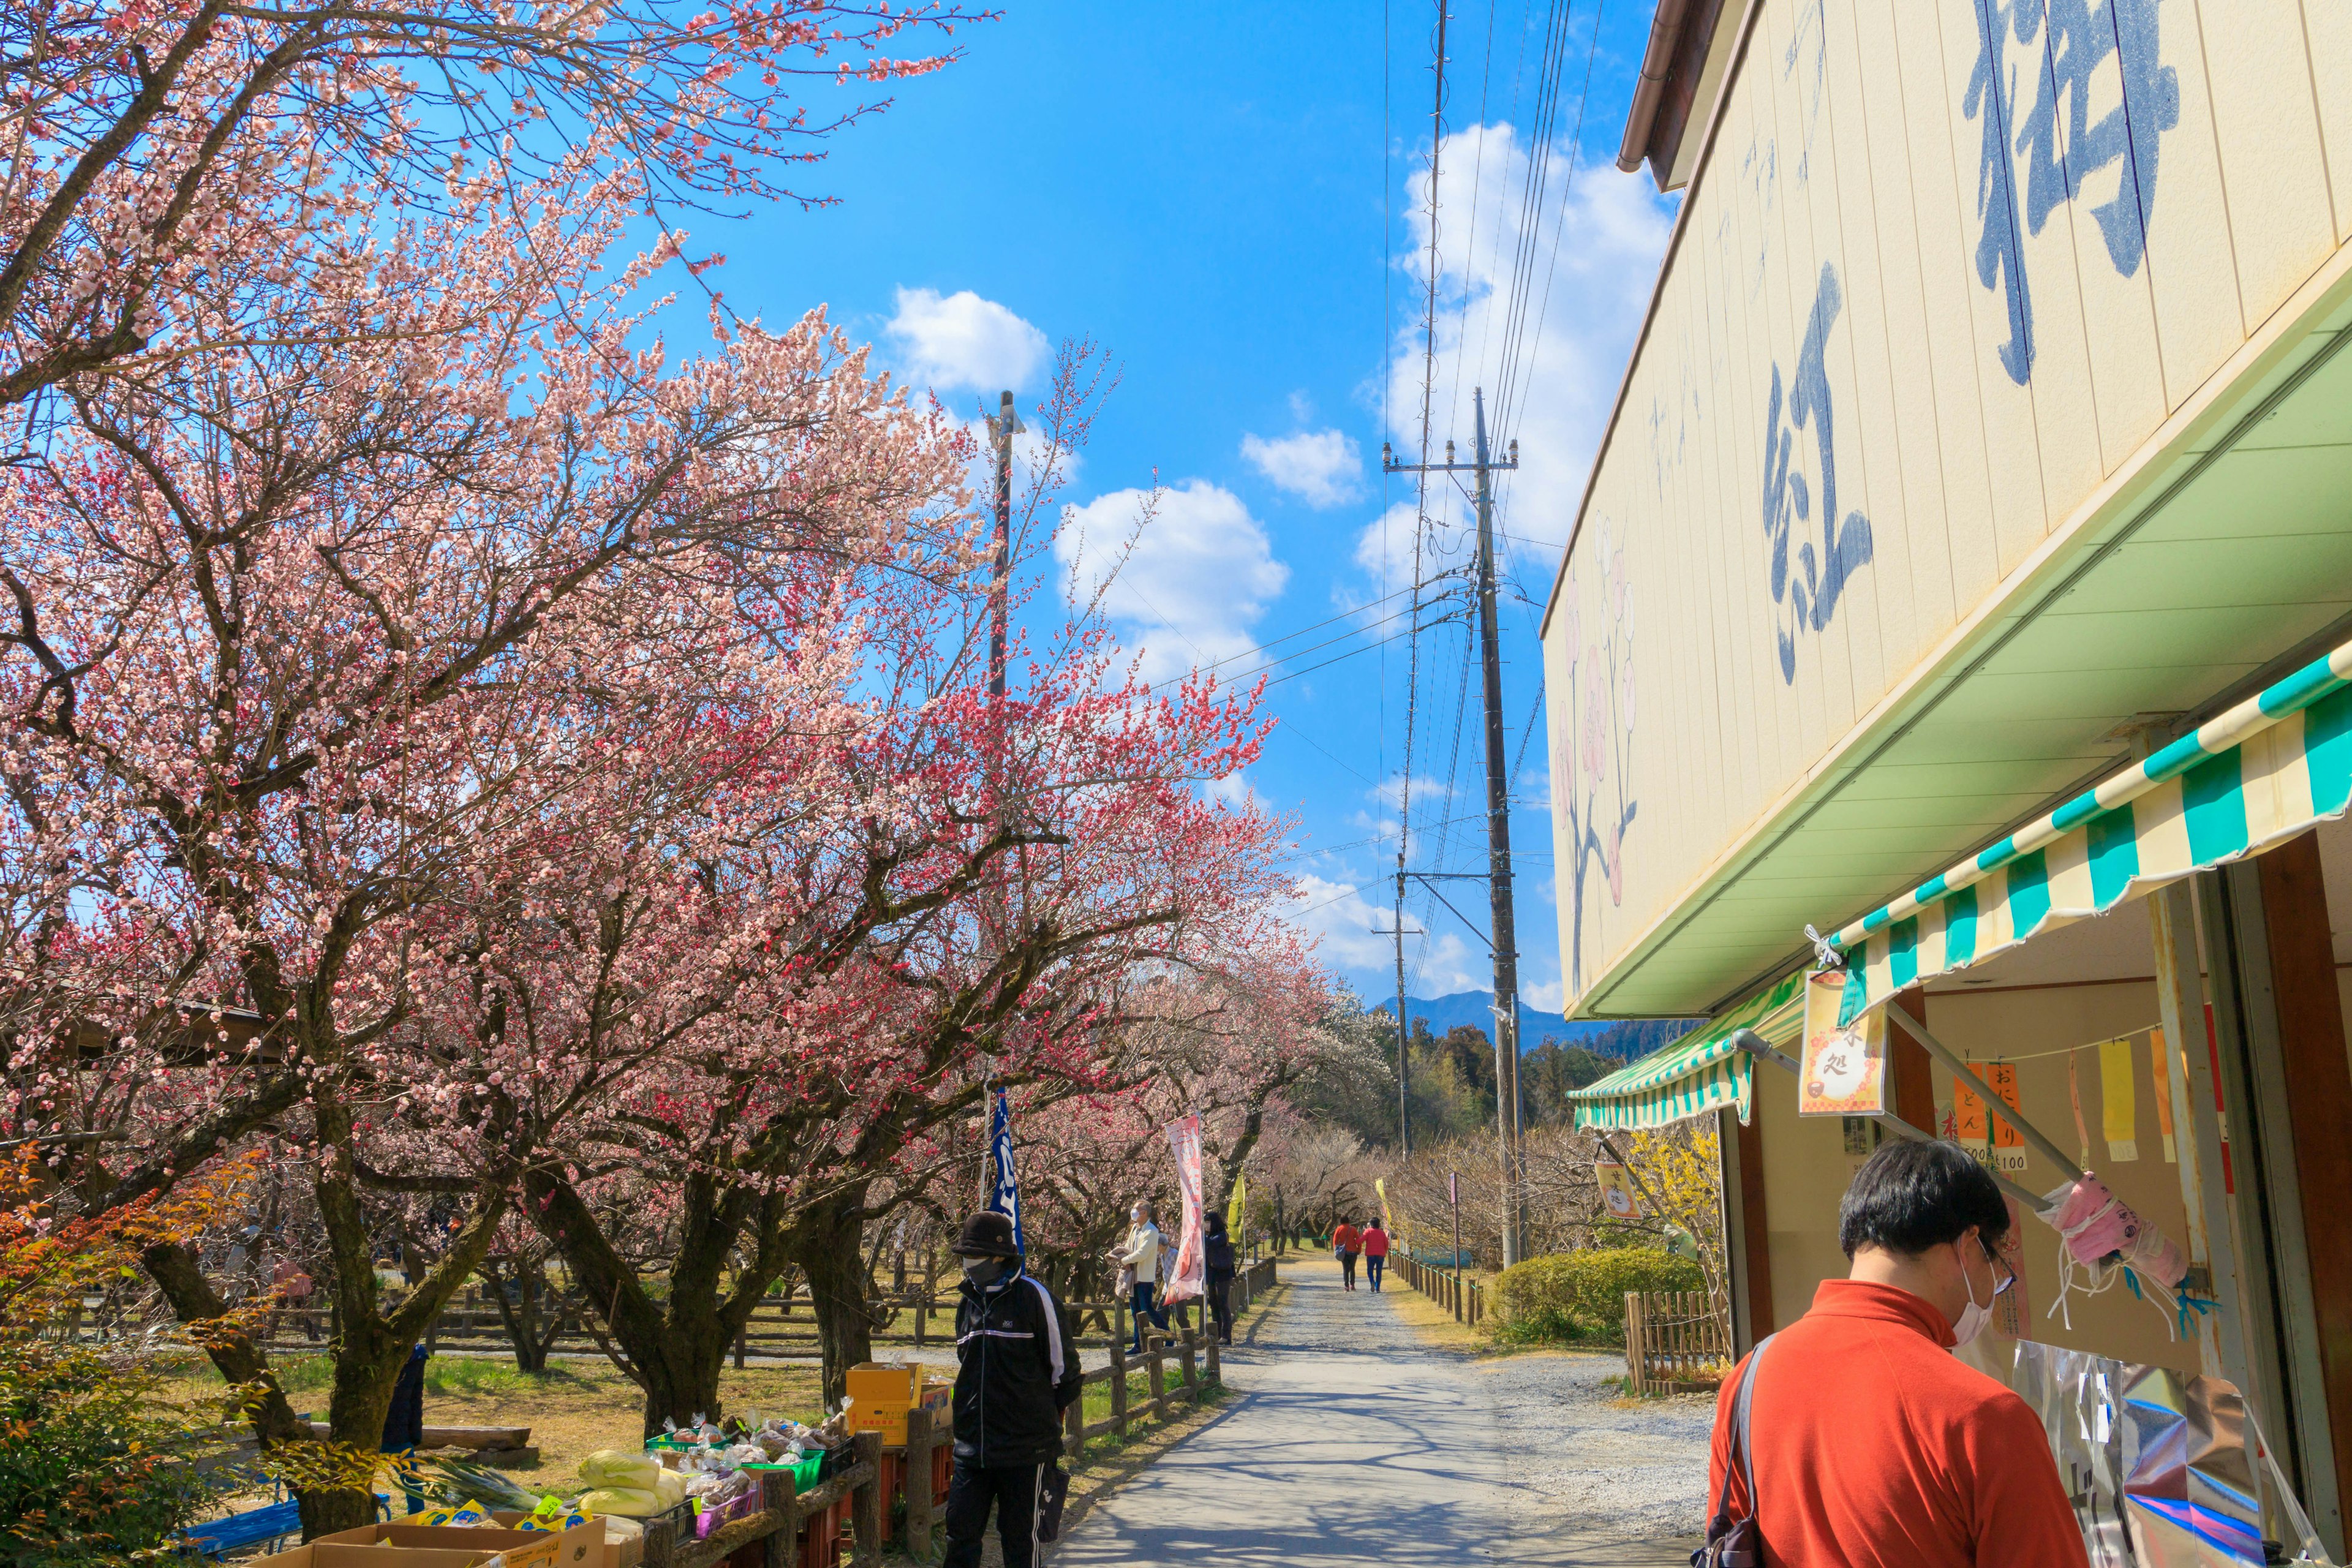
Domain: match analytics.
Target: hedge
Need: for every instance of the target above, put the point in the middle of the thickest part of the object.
(1580, 1296)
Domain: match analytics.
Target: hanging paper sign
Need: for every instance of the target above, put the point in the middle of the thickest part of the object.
(1845, 1068)
(2161, 1061)
(1616, 1190)
(1185, 1281)
(1976, 1127)
(2119, 1100)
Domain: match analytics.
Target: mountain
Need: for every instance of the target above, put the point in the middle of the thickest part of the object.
(1625, 1041)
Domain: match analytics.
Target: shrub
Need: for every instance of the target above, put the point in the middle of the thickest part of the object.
(1579, 1297)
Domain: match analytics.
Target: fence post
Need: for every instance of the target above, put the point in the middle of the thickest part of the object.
(919, 1443)
(1216, 1371)
(1191, 1372)
(865, 1498)
(1118, 1384)
(922, 1311)
(741, 1335)
(776, 1495)
(1073, 1428)
(1154, 1371)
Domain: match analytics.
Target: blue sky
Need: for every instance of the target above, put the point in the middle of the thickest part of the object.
(1229, 199)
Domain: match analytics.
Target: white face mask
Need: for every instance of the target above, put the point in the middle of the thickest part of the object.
(1973, 1318)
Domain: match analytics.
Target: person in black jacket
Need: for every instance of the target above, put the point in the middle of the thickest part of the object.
(1016, 1372)
(1217, 1253)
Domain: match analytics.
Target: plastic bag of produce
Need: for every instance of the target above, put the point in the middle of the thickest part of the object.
(468, 1515)
(619, 1468)
(634, 1502)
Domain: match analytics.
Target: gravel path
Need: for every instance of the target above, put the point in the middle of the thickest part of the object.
(1351, 1439)
(1581, 1457)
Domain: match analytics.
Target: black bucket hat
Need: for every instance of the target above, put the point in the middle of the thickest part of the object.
(986, 1235)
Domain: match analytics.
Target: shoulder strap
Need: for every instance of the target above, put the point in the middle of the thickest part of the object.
(1741, 1449)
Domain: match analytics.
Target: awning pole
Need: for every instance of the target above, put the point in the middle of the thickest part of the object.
(1993, 1103)
(1757, 1046)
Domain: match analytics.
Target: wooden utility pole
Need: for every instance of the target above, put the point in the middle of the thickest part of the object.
(1001, 427)
(1504, 940)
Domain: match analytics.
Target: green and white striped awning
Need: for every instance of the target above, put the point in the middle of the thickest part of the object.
(2262, 771)
(1701, 1072)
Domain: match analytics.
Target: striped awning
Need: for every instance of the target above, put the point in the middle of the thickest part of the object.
(1701, 1072)
(2262, 771)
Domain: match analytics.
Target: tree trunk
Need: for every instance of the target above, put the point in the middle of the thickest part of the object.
(674, 1352)
(825, 1244)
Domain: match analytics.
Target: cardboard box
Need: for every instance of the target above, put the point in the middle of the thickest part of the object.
(624, 1551)
(327, 1553)
(579, 1547)
(880, 1397)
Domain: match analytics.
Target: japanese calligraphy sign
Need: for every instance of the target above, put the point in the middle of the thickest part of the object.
(1844, 1071)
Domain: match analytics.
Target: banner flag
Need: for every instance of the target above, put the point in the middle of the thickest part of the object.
(1005, 1199)
(1381, 1186)
(1186, 1279)
(2119, 1096)
(1237, 1209)
(1844, 1072)
(2162, 1064)
(1616, 1190)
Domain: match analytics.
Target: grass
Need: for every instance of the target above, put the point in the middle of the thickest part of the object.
(572, 1409)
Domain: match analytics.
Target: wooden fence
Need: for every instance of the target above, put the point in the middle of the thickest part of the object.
(1674, 1343)
(1196, 1364)
(779, 1325)
(1463, 1297)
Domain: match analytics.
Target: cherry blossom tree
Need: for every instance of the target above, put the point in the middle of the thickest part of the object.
(313, 643)
(170, 171)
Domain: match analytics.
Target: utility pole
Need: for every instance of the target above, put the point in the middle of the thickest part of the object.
(1001, 428)
(1504, 942)
(1404, 1030)
(1404, 1131)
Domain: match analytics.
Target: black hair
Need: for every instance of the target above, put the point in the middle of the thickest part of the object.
(1913, 1194)
(1216, 1222)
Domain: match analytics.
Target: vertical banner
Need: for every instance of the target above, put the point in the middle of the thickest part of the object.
(1005, 1198)
(1184, 1281)
(1616, 1190)
(1845, 1068)
(1381, 1186)
(1237, 1210)
(2003, 1149)
(2160, 1063)
(2119, 1100)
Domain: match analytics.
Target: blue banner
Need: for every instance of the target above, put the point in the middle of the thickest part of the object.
(1006, 1199)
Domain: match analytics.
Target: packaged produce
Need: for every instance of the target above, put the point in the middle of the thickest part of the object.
(635, 1502)
(620, 1468)
(468, 1514)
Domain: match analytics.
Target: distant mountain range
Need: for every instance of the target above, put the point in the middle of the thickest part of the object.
(1625, 1041)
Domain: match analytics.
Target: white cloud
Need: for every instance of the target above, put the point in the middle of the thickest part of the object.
(1352, 933)
(1321, 467)
(1185, 586)
(1544, 995)
(1581, 314)
(961, 339)
(1233, 790)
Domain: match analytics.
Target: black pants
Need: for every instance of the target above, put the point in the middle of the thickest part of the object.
(1373, 1266)
(1221, 1305)
(1012, 1488)
(1347, 1270)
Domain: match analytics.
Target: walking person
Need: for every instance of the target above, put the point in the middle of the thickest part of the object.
(1016, 1372)
(1375, 1243)
(1867, 1440)
(1139, 1260)
(1217, 1255)
(1344, 1237)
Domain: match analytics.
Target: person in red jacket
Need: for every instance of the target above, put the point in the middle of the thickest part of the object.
(1872, 1446)
(1375, 1243)
(1343, 1247)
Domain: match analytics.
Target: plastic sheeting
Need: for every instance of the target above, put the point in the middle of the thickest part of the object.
(2165, 1470)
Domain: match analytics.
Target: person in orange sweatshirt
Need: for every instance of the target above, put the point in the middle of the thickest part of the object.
(1872, 1446)
(1344, 1238)
(1375, 1243)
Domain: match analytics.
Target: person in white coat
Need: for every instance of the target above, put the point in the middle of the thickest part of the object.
(1139, 1269)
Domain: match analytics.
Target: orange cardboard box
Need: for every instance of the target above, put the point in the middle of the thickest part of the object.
(881, 1395)
(327, 1553)
(579, 1547)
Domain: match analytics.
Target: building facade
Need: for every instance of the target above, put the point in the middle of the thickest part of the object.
(1959, 576)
